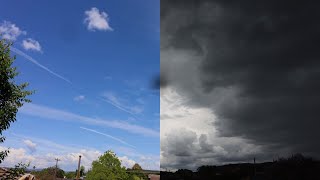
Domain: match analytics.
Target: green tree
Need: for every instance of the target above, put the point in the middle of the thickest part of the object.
(136, 173)
(82, 170)
(136, 166)
(108, 166)
(48, 173)
(12, 95)
(70, 175)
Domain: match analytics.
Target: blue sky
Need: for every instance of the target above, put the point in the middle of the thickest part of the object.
(90, 63)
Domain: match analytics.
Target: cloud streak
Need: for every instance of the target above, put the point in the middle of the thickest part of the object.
(56, 114)
(114, 101)
(107, 135)
(29, 58)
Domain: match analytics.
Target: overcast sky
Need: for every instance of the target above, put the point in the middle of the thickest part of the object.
(240, 79)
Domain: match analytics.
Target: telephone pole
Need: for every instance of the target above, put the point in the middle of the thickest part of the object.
(254, 164)
(78, 174)
(55, 172)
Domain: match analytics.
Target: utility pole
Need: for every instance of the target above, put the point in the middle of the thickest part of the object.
(55, 172)
(78, 174)
(254, 164)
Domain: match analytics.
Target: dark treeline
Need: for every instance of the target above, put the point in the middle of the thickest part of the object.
(296, 167)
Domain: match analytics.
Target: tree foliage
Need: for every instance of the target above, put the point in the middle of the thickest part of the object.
(136, 166)
(108, 166)
(48, 173)
(136, 173)
(12, 95)
(70, 175)
(18, 170)
(82, 170)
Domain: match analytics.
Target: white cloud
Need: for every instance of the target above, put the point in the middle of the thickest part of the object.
(69, 160)
(56, 114)
(125, 161)
(96, 20)
(79, 98)
(15, 156)
(189, 139)
(10, 31)
(146, 161)
(31, 44)
(48, 150)
(31, 145)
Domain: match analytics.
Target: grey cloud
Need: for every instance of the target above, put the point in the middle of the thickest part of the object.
(184, 149)
(255, 64)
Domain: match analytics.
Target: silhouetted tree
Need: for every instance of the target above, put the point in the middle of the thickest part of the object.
(184, 173)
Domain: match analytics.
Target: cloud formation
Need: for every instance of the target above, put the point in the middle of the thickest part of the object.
(69, 160)
(47, 150)
(31, 44)
(96, 20)
(253, 65)
(31, 145)
(56, 114)
(10, 31)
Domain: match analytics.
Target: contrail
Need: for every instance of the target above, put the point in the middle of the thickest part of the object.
(109, 136)
(29, 58)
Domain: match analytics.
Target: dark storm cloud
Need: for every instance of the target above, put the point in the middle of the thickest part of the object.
(264, 54)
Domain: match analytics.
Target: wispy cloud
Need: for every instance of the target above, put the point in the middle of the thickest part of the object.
(56, 114)
(116, 102)
(31, 145)
(29, 58)
(108, 78)
(10, 31)
(79, 98)
(96, 20)
(44, 144)
(107, 135)
(31, 44)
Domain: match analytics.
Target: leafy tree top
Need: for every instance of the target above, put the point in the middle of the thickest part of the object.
(12, 95)
(108, 166)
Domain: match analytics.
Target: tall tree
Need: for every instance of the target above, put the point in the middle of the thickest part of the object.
(12, 95)
(108, 166)
(136, 166)
(136, 173)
